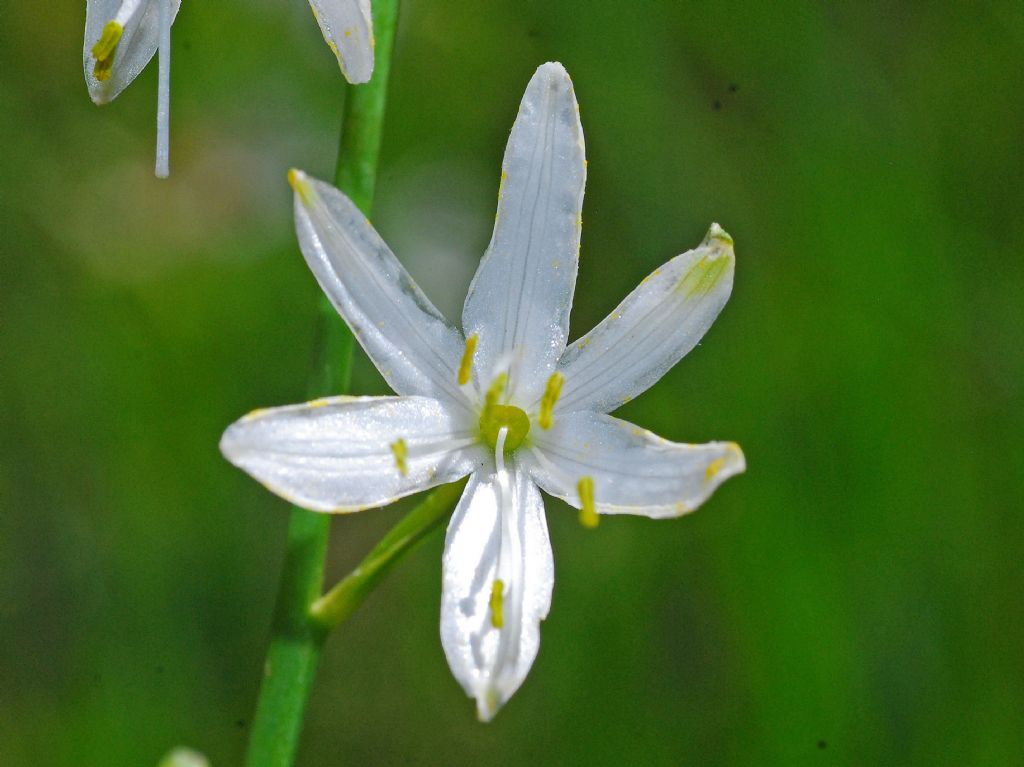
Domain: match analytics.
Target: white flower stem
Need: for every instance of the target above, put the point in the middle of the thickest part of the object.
(163, 97)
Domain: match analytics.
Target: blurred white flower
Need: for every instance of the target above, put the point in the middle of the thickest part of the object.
(184, 757)
(504, 401)
(121, 37)
(348, 30)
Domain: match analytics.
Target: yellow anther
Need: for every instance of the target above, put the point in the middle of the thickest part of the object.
(102, 69)
(320, 402)
(301, 185)
(497, 603)
(588, 511)
(466, 366)
(547, 402)
(104, 50)
(401, 453)
(108, 41)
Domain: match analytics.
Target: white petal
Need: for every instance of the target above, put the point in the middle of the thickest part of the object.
(651, 330)
(519, 301)
(633, 470)
(412, 345)
(496, 533)
(140, 20)
(348, 30)
(343, 454)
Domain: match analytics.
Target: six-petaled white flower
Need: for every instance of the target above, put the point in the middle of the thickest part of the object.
(121, 37)
(504, 401)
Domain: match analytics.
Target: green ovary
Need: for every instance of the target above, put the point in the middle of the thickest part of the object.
(497, 417)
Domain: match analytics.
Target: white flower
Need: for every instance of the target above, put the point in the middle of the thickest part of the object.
(504, 402)
(348, 30)
(121, 37)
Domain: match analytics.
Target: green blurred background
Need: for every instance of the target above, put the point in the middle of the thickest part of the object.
(855, 598)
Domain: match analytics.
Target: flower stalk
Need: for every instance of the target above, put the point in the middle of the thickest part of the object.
(342, 600)
(296, 640)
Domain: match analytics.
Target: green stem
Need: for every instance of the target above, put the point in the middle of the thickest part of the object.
(342, 600)
(356, 171)
(296, 640)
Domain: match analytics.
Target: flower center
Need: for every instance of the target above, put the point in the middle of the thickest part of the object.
(495, 417)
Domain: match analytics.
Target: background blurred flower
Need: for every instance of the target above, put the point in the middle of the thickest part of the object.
(121, 37)
(348, 30)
